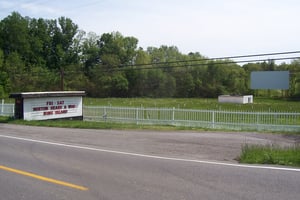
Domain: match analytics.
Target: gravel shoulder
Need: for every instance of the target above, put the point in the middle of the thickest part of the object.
(214, 146)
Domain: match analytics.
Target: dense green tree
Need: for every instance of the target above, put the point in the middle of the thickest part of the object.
(119, 85)
(115, 52)
(62, 52)
(184, 84)
(142, 57)
(40, 41)
(46, 54)
(75, 78)
(153, 82)
(14, 36)
(294, 69)
(135, 74)
(116, 47)
(164, 54)
(4, 79)
(15, 67)
(90, 52)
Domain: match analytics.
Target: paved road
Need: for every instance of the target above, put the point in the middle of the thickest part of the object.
(137, 165)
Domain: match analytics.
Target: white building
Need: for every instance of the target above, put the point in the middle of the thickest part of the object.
(235, 99)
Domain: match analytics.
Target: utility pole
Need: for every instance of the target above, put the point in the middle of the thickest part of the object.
(62, 74)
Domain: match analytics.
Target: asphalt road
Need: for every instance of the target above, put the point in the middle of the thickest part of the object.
(56, 163)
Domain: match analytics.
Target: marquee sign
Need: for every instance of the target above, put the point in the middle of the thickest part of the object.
(48, 105)
(52, 108)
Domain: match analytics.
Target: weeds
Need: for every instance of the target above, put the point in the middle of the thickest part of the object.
(270, 154)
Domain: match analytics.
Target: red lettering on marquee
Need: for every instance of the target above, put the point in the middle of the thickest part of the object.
(55, 107)
(48, 113)
(60, 102)
(72, 106)
(57, 112)
(49, 103)
(40, 108)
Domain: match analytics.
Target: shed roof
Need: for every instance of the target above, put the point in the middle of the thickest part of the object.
(47, 94)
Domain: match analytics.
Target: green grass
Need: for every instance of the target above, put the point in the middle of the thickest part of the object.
(259, 105)
(5, 119)
(270, 154)
(95, 125)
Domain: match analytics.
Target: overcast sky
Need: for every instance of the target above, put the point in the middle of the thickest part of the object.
(214, 28)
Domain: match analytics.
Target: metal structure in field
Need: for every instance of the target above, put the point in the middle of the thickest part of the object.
(270, 80)
(235, 99)
(234, 120)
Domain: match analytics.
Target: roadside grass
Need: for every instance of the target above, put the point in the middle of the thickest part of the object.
(270, 154)
(65, 123)
(5, 119)
(96, 125)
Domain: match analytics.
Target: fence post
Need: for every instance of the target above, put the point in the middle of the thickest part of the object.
(173, 115)
(105, 113)
(2, 107)
(213, 119)
(137, 116)
(14, 110)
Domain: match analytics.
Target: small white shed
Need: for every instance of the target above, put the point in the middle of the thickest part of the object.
(235, 99)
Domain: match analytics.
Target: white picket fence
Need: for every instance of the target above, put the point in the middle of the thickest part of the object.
(7, 109)
(233, 120)
(213, 119)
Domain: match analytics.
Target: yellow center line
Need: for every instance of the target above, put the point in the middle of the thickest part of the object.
(43, 178)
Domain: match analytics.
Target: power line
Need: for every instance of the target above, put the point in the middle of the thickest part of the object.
(168, 65)
(220, 58)
(182, 63)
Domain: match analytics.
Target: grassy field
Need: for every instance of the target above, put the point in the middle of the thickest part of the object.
(268, 154)
(260, 104)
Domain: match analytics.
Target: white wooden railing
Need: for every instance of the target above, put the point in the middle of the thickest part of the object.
(234, 120)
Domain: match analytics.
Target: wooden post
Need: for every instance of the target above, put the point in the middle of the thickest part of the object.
(62, 79)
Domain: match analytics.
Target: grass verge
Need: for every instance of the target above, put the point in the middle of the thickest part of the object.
(271, 154)
(4, 119)
(95, 125)
(63, 123)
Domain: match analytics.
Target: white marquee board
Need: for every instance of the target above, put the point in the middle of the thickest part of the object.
(52, 108)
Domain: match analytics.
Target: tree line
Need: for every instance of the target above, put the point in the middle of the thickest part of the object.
(54, 54)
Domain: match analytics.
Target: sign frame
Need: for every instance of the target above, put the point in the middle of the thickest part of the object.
(48, 105)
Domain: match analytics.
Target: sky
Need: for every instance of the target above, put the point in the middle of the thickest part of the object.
(214, 28)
